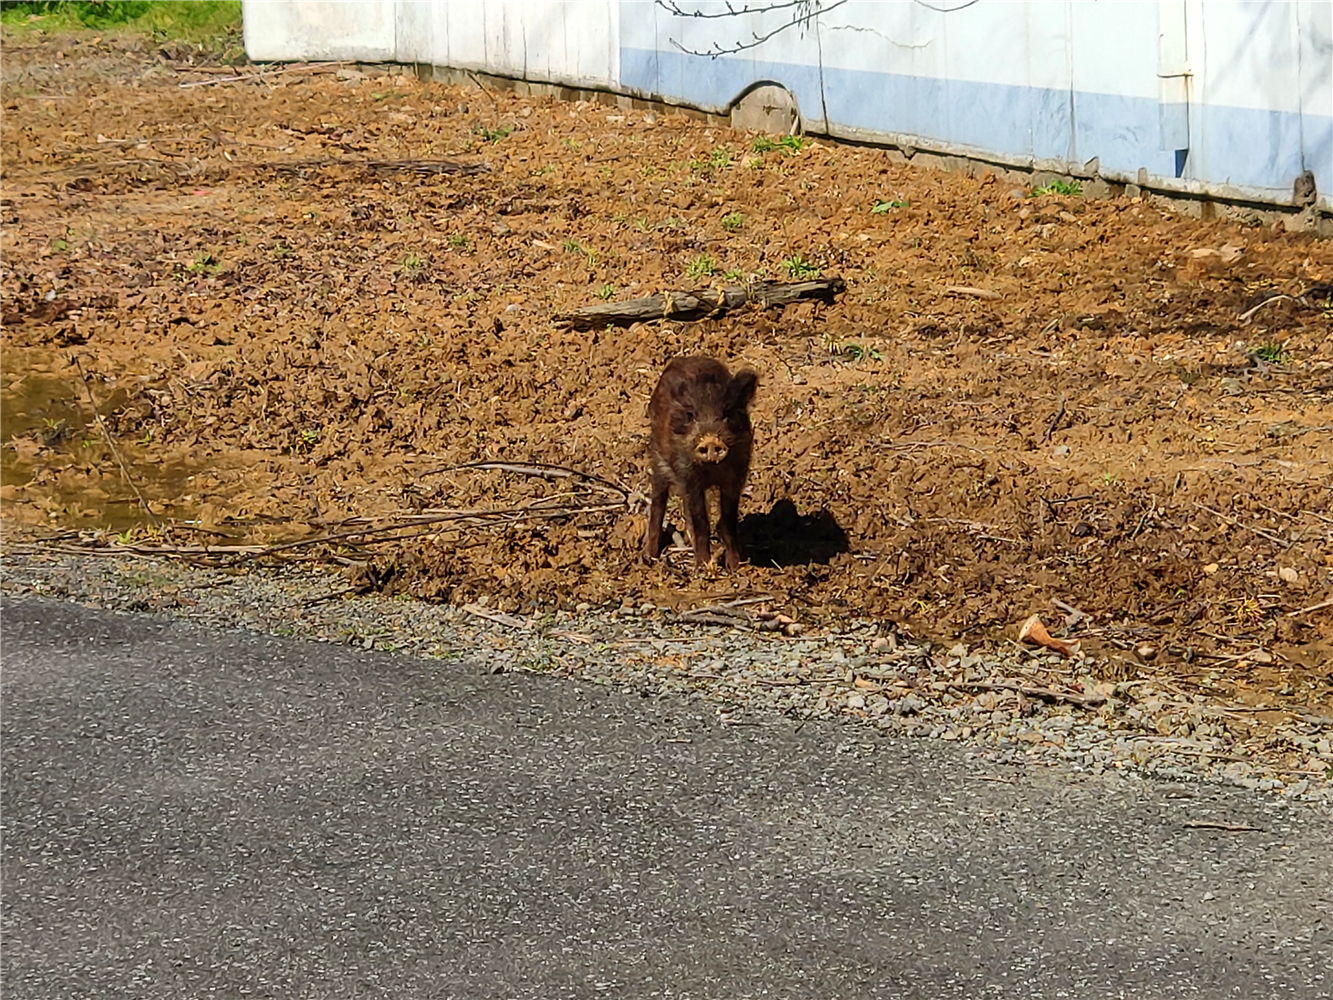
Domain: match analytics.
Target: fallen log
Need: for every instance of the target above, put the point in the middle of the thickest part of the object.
(702, 303)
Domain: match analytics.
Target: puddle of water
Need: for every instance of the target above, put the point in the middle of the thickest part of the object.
(52, 452)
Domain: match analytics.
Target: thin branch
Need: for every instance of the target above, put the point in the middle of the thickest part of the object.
(675, 10)
(1044, 694)
(813, 9)
(946, 10)
(533, 469)
(101, 425)
(1313, 607)
(1249, 527)
(1055, 420)
(320, 67)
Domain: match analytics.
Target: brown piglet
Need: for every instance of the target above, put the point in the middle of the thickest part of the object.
(701, 439)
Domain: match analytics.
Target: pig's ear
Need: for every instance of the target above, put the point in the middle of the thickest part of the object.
(740, 390)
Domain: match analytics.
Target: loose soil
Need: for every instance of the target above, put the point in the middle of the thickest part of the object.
(295, 324)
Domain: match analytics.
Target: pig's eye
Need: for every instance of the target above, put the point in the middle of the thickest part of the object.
(687, 417)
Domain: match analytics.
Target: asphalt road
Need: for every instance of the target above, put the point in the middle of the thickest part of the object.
(193, 813)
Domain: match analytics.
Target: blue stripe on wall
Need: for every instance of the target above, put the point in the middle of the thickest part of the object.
(1239, 146)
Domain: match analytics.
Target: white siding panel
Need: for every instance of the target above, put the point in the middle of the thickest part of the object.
(320, 29)
(1236, 95)
(462, 43)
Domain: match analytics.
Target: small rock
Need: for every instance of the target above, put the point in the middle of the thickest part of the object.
(1210, 569)
(958, 651)
(1061, 451)
(1288, 574)
(1147, 653)
(909, 705)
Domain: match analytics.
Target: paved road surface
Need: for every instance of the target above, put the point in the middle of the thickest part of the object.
(192, 813)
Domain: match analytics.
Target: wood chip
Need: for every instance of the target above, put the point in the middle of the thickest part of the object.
(968, 290)
(499, 617)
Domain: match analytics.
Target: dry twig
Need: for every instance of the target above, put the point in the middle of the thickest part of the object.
(263, 74)
(101, 425)
(970, 292)
(699, 304)
(541, 469)
(1043, 694)
(499, 617)
(1313, 607)
(1249, 527)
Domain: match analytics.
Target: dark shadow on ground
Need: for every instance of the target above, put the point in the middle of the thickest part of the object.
(786, 537)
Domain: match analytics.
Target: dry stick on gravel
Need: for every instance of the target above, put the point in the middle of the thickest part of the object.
(715, 616)
(420, 166)
(533, 469)
(1313, 292)
(481, 86)
(1243, 317)
(700, 303)
(913, 445)
(476, 518)
(1249, 527)
(414, 166)
(1059, 412)
(1044, 694)
(970, 292)
(403, 529)
(263, 74)
(1073, 615)
(101, 425)
(499, 617)
(1313, 607)
(1208, 824)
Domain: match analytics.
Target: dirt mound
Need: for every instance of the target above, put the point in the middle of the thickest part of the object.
(290, 323)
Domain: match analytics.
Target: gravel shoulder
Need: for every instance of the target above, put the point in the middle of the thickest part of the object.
(1012, 706)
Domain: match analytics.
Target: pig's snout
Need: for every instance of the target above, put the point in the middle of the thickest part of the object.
(710, 450)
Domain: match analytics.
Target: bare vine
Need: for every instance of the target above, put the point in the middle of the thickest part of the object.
(803, 12)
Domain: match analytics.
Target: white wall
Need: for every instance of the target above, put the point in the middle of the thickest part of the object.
(287, 30)
(1229, 96)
